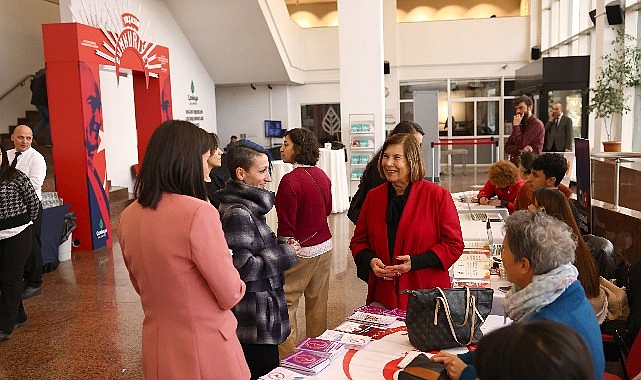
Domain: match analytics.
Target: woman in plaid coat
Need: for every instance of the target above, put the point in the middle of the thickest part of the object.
(258, 255)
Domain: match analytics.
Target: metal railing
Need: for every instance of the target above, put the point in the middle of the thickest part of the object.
(19, 84)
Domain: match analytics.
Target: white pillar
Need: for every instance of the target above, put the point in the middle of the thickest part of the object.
(360, 41)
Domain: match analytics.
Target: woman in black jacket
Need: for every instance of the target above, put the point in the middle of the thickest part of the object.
(18, 209)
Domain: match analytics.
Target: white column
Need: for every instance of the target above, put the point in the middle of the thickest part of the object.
(360, 41)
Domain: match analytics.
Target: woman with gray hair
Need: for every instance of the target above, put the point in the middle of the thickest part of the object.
(538, 251)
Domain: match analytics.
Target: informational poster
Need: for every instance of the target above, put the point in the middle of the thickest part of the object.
(583, 194)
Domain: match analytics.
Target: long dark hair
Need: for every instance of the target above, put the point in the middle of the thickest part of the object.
(556, 204)
(7, 173)
(173, 163)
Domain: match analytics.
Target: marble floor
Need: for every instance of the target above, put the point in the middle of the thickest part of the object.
(87, 323)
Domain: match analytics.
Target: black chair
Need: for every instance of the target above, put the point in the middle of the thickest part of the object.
(618, 336)
(603, 253)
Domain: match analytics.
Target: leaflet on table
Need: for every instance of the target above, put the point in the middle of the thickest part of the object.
(351, 341)
(396, 312)
(360, 329)
(472, 269)
(372, 319)
(470, 283)
(321, 347)
(305, 362)
(476, 244)
(282, 373)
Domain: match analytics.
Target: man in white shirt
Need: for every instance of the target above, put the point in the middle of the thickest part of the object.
(32, 163)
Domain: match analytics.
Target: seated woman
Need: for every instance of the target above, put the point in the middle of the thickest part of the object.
(554, 203)
(538, 251)
(260, 258)
(504, 183)
(533, 351)
(408, 234)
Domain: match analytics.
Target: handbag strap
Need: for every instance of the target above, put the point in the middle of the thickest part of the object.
(469, 301)
(315, 183)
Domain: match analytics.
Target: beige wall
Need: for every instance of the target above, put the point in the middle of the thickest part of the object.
(326, 14)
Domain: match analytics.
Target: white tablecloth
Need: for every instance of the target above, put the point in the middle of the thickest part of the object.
(379, 359)
(333, 164)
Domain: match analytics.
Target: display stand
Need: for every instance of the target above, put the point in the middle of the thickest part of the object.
(362, 146)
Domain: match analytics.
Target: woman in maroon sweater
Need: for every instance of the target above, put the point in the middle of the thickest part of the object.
(303, 202)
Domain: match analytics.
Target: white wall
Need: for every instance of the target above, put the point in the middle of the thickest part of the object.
(242, 110)
(183, 60)
(21, 52)
(421, 53)
(118, 109)
(119, 138)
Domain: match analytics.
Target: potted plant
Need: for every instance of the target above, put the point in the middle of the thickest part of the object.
(620, 69)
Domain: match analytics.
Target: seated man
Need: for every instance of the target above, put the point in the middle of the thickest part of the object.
(504, 183)
(547, 171)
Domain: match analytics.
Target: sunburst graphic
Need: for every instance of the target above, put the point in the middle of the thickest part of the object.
(123, 31)
(331, 122)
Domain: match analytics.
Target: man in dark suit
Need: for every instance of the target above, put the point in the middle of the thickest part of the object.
(558, 131)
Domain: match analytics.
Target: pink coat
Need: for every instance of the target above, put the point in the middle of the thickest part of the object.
(179, 263)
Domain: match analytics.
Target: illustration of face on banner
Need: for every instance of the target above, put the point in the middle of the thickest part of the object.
(96, 161)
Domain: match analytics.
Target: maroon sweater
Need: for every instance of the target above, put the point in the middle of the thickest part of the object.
(532, 134)
(302, 209)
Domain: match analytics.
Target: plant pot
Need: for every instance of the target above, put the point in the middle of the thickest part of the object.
(611, 146)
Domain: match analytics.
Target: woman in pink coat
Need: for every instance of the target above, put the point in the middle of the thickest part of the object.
(178, 261)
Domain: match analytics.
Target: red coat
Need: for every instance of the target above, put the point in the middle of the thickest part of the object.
(429, 222)
(508, 194)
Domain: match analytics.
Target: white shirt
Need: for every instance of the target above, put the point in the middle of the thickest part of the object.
(33, 164)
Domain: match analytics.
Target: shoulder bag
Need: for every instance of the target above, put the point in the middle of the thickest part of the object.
(444, 318)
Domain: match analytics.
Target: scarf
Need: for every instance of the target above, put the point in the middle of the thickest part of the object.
(543, 290)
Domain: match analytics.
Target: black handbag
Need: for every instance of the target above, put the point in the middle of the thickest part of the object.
(444, 318)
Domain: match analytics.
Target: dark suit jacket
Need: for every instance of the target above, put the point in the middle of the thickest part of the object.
(559, 136)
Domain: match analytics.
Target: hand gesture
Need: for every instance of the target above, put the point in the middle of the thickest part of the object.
(453, 364)
(380, 270)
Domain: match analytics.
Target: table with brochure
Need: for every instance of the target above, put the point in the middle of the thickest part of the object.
(373, 342)
(375, 345)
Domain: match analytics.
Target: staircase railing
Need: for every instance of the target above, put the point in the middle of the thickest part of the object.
(19, 84)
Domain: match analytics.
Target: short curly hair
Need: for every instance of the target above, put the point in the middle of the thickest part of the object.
(503, 174)
(305, 146)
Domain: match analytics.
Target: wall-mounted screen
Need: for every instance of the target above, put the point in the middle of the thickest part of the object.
(273, 128)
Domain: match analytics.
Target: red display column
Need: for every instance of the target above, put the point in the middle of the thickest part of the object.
(73, 54)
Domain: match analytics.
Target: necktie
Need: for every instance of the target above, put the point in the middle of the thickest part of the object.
(15, 160)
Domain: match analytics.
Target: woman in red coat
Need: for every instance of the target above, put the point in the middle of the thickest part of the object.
(408, 232)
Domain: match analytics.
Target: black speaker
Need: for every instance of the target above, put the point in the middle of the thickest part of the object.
(593, 16)
(536, 53)
(386, 67)
(614, 12)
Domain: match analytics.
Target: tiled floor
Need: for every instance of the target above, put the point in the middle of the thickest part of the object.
(87, 323)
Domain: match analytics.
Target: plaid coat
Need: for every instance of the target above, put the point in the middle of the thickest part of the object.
(260, 259)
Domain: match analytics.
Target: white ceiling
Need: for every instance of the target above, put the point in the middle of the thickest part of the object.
(232, 40)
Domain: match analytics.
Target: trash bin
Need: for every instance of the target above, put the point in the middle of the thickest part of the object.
(64, 249)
